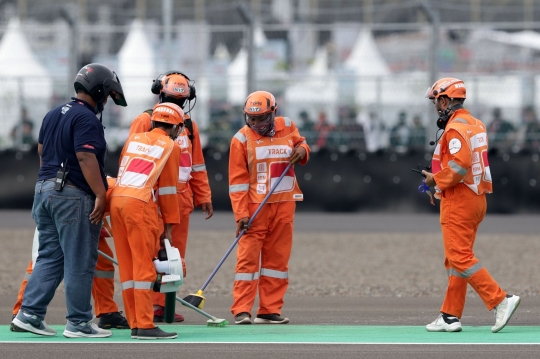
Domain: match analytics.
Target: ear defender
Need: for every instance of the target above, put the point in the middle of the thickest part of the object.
(192, 92)
(157, 85)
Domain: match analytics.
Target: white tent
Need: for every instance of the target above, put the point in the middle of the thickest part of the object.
(24, 82)
(527, 39)
(317, 92)
(368, 67)
(221, 53)
(365, 59)
(236, 78)
(136, 69)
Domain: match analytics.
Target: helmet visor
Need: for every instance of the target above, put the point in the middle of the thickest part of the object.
(256, 119)
(430, 93)
(114, 89)
(262, 124)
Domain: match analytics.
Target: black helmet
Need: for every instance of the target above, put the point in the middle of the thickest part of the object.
(99, 82)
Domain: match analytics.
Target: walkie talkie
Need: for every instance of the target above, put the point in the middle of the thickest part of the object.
(61, 177)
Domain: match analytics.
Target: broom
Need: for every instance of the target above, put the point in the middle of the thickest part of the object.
(211, 322)
(197, 299)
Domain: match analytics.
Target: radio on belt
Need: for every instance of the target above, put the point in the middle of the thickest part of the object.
(61, 176)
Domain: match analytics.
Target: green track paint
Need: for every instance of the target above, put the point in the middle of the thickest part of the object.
(304, 334)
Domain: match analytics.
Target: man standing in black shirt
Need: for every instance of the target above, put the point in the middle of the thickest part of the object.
(69, 204)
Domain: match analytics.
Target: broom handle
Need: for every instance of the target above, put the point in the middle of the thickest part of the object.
(243, 230)
(106, 256)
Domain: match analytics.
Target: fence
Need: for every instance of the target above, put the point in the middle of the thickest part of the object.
(331, 181)
(349, 74)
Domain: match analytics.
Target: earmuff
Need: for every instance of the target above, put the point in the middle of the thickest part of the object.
(157, 85)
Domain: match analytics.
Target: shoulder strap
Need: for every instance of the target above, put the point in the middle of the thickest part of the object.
(150, 112)
(189, 125)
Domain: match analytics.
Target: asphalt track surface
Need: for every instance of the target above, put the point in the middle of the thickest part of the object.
(348, 327)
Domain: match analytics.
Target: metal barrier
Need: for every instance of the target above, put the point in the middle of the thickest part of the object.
(331, 181)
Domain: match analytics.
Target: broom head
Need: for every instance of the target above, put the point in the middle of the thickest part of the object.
(196, 300)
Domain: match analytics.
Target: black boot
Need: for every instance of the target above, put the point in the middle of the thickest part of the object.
(155, 333)
(113, 320)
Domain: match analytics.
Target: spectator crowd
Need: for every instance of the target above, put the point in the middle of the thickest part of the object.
(365, 132)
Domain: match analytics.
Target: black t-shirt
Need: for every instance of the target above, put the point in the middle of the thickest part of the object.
(70, 128)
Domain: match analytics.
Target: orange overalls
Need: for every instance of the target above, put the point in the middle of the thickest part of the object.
(461, 172)
(103, 284)
(103, 288)
(192, 183)
(148, 160)
(255, 163)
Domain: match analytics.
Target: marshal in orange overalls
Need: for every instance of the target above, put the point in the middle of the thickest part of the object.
(148, 164)
(461, 171)
(255, 162)
(192, 182)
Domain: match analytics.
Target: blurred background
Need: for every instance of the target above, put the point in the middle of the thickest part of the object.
(351, 74)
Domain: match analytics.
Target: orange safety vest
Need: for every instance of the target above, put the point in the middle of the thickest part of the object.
(473, 131)
(184, 173)
(267, 159)
(143, 159)
(192, 172)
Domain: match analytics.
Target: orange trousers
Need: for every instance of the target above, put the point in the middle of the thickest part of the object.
(461, 213)
(269, 239)
(102, 287)
(179, 235)
(135, 226)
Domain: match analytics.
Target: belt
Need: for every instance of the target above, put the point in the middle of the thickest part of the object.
(67, 182)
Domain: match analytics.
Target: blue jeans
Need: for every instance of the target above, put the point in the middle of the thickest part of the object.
(68, 245)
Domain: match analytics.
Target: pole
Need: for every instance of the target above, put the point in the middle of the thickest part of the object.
(247, 17)
(170, 304)
(73, 48)
(434, 19)
(167, 15)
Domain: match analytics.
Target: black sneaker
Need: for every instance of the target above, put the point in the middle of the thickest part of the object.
(155, 333)
(134, 333)
(242, 318)
(113, 320)
(15, 328)
(270, 319)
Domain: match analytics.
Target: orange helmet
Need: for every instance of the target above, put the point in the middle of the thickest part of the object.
(175, 87)
(260, 103)
(260, 111)
(168, 112)
(448, 86)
